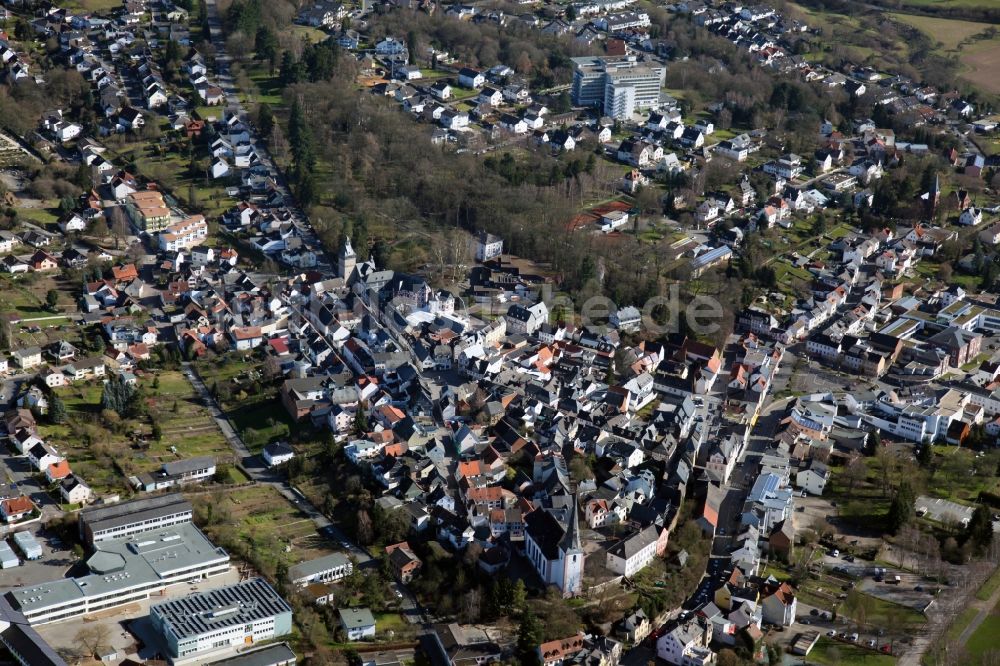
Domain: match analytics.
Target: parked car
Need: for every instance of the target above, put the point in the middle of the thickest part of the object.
(853, 637)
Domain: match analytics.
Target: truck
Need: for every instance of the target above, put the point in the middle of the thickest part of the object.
(896, 580)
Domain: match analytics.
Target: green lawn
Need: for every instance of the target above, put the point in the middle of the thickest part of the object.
(385, 622)
(310, 34)
(266, 417)
(833, 653)
(206, 112)
(958, 625)
(888, 614)
(989, 587)
(269, 87)
(40, 216)
(984, 638)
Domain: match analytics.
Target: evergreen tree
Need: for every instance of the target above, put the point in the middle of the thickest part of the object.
(307, 188)
(173, 52)
(57, 409)
(290, 72)
(265, 119)
(118, 396)
(529, 637)
(875, 442)
(901, 507)
(360, 426)
(979, 532)
(266, 43)
(320, 61)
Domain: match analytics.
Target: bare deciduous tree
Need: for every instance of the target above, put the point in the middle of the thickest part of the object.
(93, 638)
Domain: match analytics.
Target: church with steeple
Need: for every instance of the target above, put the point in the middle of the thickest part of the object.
(554, 549)
(347, 261)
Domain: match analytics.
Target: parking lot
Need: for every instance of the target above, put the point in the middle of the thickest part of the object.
(56, 560)
(943, 511)
(912, 591)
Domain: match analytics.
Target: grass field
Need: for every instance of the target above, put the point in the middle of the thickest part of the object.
(308, 33)
(833, 653)
(984, 638)
(951, 4)
(101, 6)
(946, 31)
(275, 527)
(959, 624)
(989, 587)
(980, 59)
(982, 62)
(185, 422)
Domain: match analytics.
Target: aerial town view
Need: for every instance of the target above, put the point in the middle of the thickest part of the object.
(521, 332)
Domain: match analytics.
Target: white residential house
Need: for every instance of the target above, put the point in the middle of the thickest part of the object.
(220, 168)
(277, 453)
(42, 455)
(686, 644)
(780, 606)
(26, 358)
(73, 490)
(390, 46)
(526, 320)
(67, 131)
(635, 552)
(358, 623)
(441, 90)
(813, 479)
(490, 96)
(487, 246)
(72, 223)
(971, 217)
(707, 212)
(628, 318)
(470, 78)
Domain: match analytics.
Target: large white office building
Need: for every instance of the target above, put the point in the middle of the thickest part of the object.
(619, 86)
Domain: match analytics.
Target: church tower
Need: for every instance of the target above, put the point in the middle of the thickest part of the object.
(572, 555)
(347, 261)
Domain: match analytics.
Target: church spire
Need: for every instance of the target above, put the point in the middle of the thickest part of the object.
(571, 539)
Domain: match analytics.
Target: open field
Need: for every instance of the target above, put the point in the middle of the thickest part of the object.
(980, 58)
(932, 4)
(984, 638)
(272, 527)
(833, 653)
(959, 624)
(186, 425)
(982, 61)
(308, 33)
(948, 32)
